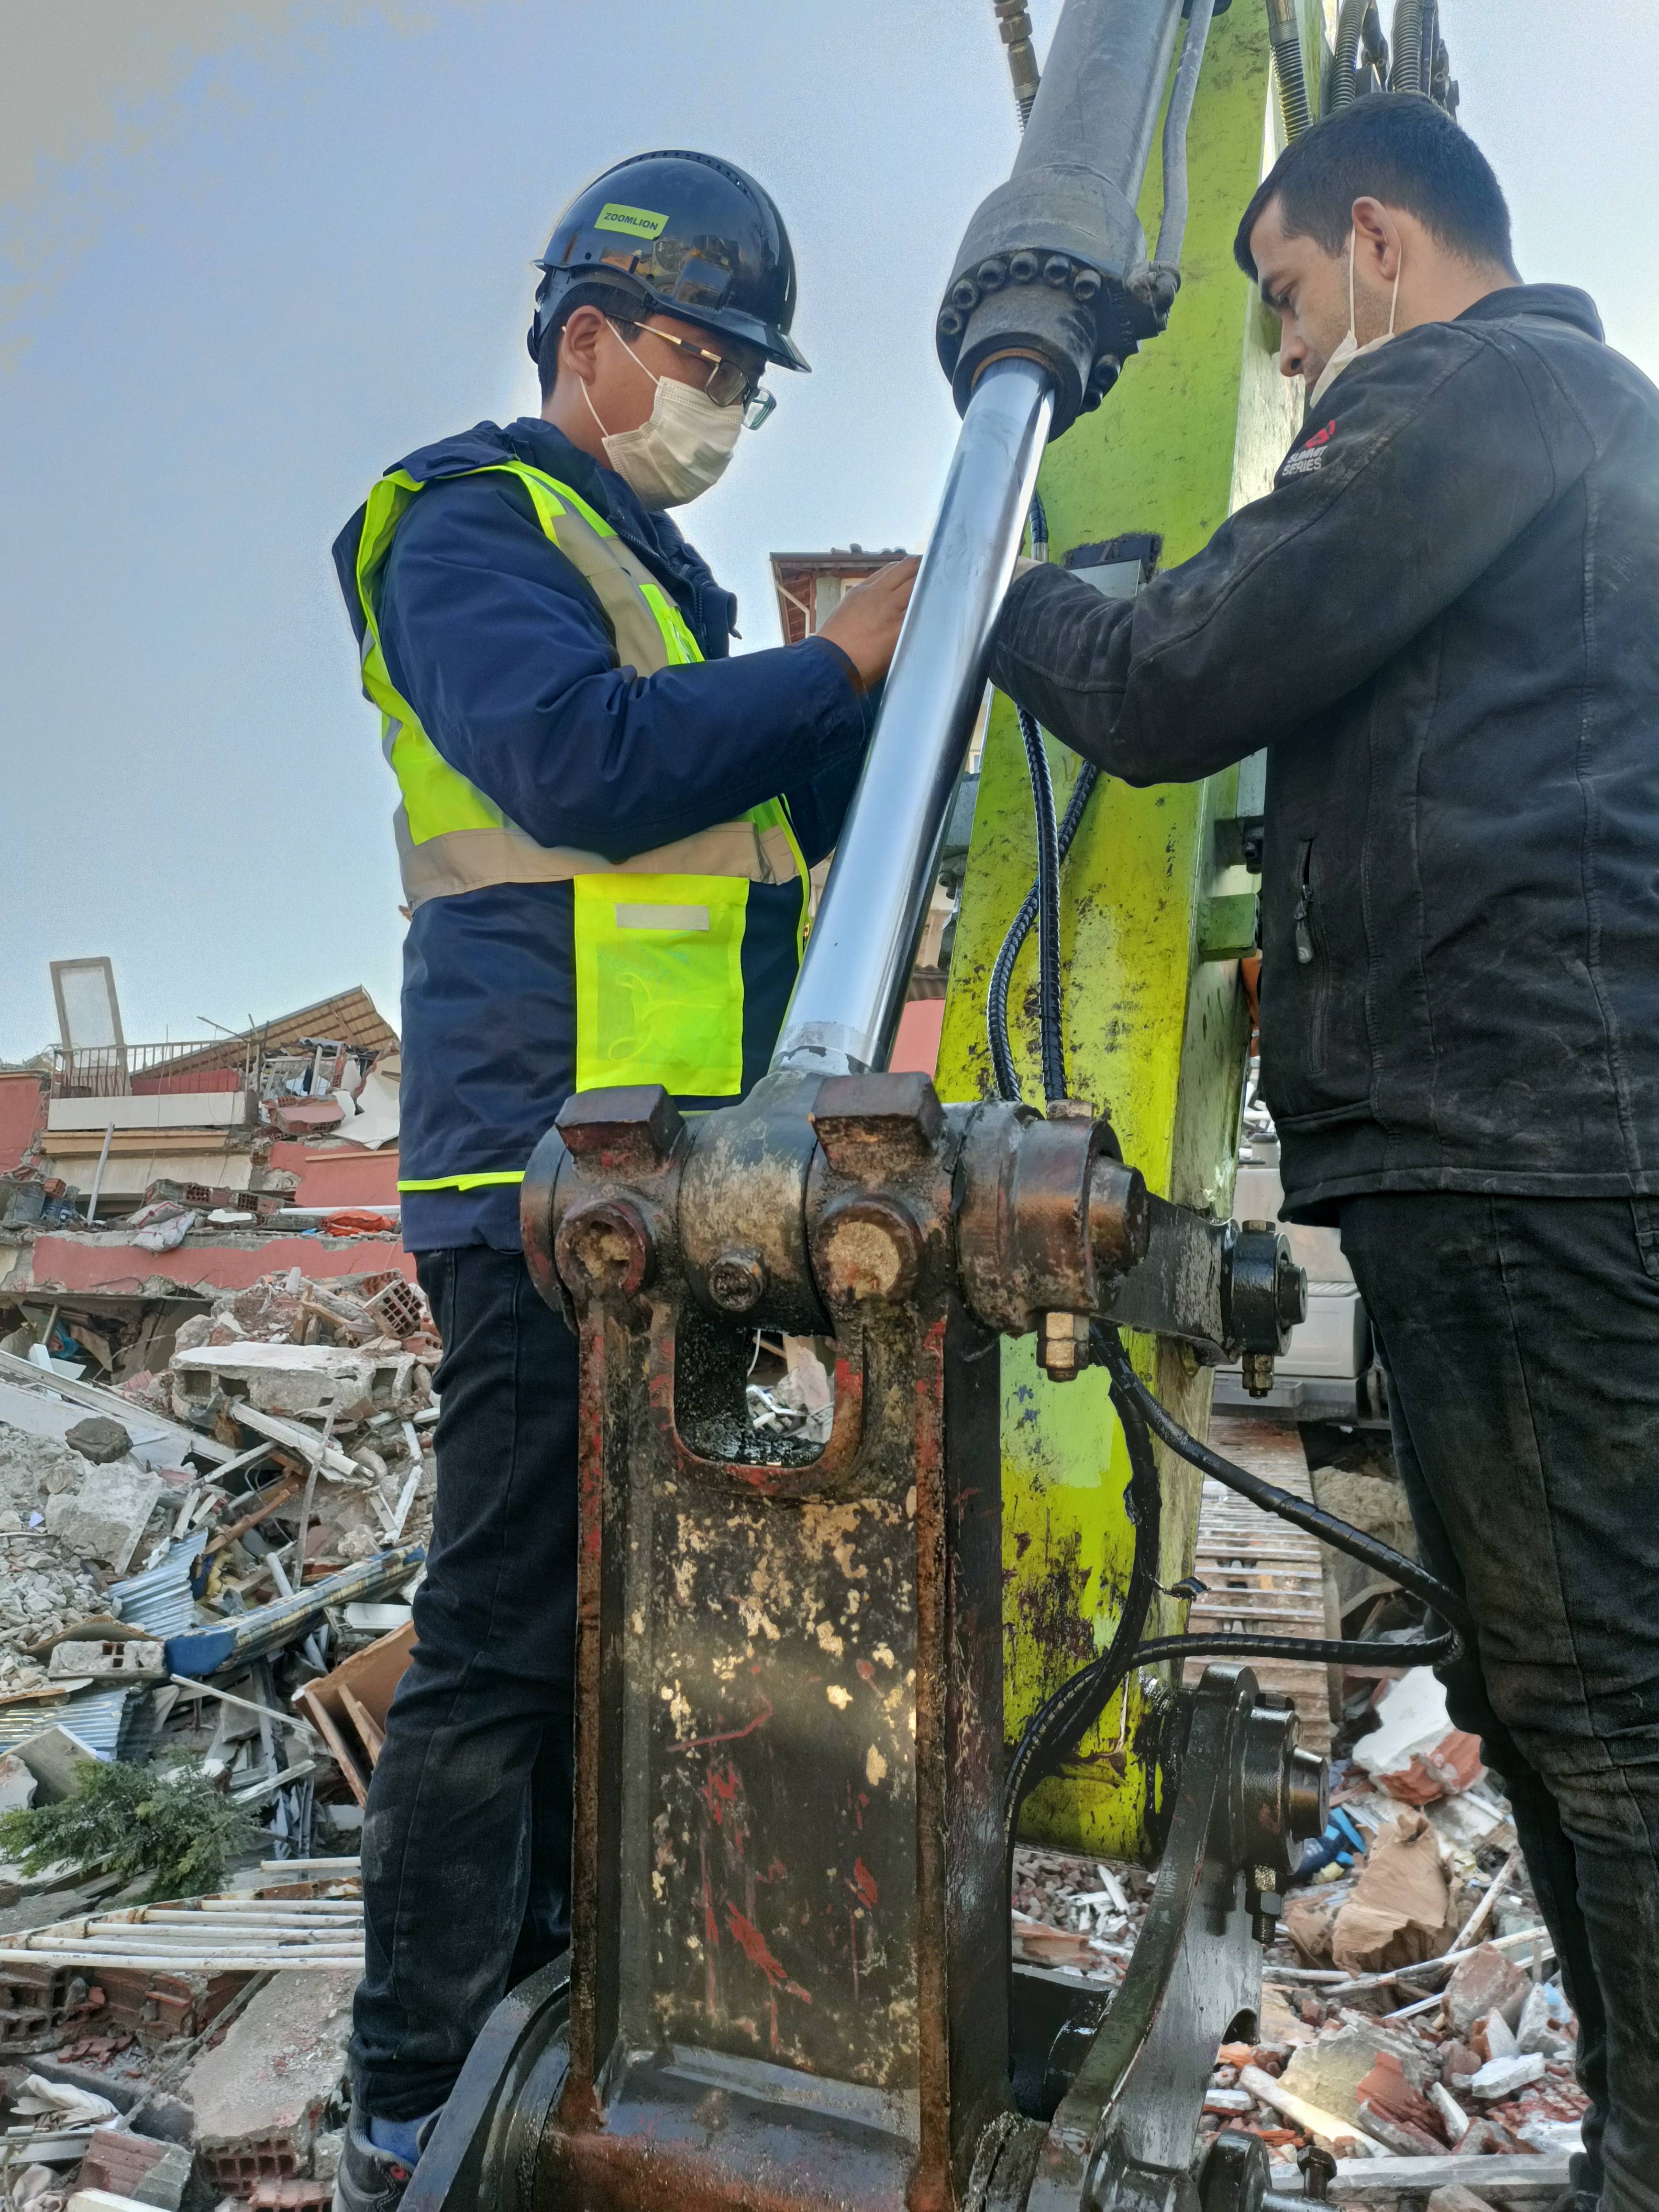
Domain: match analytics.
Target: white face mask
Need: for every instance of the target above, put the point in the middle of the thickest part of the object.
(1349, 349)
(681, 450)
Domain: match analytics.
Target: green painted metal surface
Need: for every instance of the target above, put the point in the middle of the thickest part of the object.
(1156, 1032)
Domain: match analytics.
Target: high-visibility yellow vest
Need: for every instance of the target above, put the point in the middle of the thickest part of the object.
(658, 938)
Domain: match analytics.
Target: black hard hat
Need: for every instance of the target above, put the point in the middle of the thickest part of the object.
(679, 235)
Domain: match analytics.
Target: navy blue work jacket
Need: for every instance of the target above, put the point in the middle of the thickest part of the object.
(500, 647)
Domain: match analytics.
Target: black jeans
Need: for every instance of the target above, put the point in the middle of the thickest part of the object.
(1522, 1340)
(466, 1843)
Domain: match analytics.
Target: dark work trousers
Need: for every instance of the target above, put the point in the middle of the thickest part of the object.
(1521, 1336)
(466, 1843)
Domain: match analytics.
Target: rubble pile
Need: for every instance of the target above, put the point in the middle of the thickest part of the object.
(206, 1573)
(1411, 2007)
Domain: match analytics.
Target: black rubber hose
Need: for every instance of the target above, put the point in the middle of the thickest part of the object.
(1041, 901)
(1346, 51)
(1407, 47)
(1059, 1724)
(1050, 1037)
(1285, 37)
(1327, 1651)
(1300, 1511)
(996, 997)
(1172, 224)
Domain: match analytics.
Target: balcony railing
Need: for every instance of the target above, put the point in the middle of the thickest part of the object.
(139, 1071)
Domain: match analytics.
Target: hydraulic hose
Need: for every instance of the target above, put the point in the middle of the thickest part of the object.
(1172, 225)
(996, 997)
(1108, 1350)
(1407, 47)
(1285, 37)
(1359, 28)
(1050, 1014)
(1059, 1725)
(1040, 902)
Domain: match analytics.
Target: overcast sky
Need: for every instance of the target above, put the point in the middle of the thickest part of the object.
(252, 251)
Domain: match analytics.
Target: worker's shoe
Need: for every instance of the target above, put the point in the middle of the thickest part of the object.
(371, 2179)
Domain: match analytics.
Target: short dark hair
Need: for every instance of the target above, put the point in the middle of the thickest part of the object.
(1398, 147)
(617, 306)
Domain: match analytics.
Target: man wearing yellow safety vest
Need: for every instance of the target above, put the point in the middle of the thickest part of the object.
(604, 831)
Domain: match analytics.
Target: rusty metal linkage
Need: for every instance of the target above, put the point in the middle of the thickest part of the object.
(789, 1979)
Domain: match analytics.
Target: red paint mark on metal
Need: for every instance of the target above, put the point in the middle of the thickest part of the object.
(756, 1949)
(866, 1672)
(863, 1884)
(729, 1736)
(720, 1788)
(852, 1945)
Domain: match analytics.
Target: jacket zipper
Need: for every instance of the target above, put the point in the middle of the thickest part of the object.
(1304, 945)
(1306, 919)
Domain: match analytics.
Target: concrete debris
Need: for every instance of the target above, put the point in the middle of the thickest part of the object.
(132, 1661)
(350, 1384)
(1376, 2066)
(264, 2096)
(1414, 1752)
(1486, 1982)
(104, 1519)
(1500, 2078)
(99, 1439)
(1332, 2070)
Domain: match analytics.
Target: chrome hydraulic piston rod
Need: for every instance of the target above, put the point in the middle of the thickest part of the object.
(847, 1003)
(1050, 292)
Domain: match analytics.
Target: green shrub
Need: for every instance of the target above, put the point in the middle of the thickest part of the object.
(133, 1821)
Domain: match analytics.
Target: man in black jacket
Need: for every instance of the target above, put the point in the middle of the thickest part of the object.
(1443, 623)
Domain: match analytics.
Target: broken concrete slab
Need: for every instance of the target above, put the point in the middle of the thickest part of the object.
(1506, 2077)
(261, 2097)
(292, 1378)
(132, 1661)
(1537, 2029)
(1328, 2071)
(99, 1439)
(1485, 1982)
(51, 1756)
(105, 1517)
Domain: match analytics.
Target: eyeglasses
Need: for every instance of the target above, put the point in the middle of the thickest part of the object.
(726, 383)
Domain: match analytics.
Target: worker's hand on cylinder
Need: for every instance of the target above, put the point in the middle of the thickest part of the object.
(866, 625)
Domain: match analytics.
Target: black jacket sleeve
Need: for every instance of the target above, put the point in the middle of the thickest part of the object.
(499, 646)
(1424, 462)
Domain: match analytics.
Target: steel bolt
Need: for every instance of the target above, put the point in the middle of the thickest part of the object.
(1063, 1346)
(1057, 269)
(736, 1281)
(1085, 284)
(964, 294)
(1256, 1370)
(950, 323)
(870, 1248)
(993, 274)
(607, 1244)
(1318, 2170)
(1023, 266)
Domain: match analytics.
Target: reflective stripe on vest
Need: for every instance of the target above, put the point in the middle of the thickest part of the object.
(658, 937)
